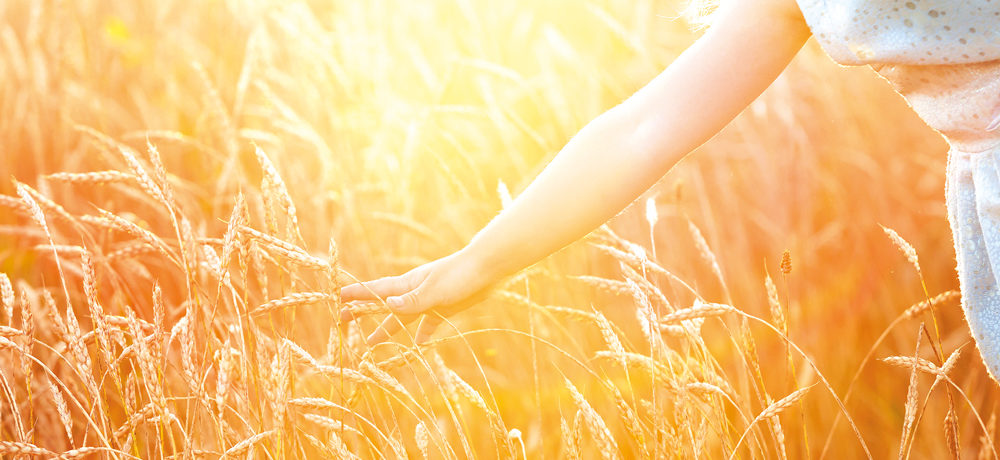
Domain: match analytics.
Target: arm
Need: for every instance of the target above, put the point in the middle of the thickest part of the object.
(610, 162)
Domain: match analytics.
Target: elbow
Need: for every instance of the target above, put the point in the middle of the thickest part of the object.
(650, 143)
(641, 137)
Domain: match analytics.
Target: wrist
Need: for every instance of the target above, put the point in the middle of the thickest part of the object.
(474, 258)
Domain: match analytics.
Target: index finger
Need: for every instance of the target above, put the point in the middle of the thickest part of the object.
(374, 290)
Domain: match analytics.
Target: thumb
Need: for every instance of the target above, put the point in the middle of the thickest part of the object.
(412, 302)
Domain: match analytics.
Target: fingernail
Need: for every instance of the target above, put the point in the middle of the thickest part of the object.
(395, 302)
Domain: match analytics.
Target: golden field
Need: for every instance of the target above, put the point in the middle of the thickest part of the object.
(186, 185)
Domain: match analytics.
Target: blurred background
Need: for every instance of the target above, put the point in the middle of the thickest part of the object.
(395, 123)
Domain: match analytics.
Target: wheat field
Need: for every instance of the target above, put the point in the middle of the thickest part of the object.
(186, 185)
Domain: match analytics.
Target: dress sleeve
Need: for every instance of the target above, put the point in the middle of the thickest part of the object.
(914, 32)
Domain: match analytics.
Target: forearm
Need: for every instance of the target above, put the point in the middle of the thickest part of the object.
(626, 150)
(593, 178)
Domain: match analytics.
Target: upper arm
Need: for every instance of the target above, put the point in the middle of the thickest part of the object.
(748, 45)
(781, 17)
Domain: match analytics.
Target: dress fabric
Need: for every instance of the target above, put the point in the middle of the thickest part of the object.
(943, 57)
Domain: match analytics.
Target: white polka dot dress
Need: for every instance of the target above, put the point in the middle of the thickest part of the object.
(944, 58)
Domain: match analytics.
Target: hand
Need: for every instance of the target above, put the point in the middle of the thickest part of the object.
(435, 290)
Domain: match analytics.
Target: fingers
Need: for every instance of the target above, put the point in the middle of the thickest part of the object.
(408, 303)
(427, 327)
(346, 316)
(389, 327)
(374, 290)
(405, 306)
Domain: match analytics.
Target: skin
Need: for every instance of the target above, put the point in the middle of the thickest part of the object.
(606, 166)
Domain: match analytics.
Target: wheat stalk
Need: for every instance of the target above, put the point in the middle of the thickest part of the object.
(63, 410)
(312, 403)
(777, 311)
(294, 300)
(705, 388)
(92, 178)
(248, 443)
(910, 362)
(951, 433)
(22, 448)
(146, 413)
(772, 410)
(422, 438)
(7, 296)
(287, 250)
(274, 185)
(700, 310)
(910, 413)
(7, 331)
(606, 444)
(7, 344)
(569, 439)
(905, 247)
(330, 424)
(922, 306)
(631, 420)
(985, 443)
(145, 181)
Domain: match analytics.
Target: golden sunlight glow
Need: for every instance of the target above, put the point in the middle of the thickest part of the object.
(187, 185)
